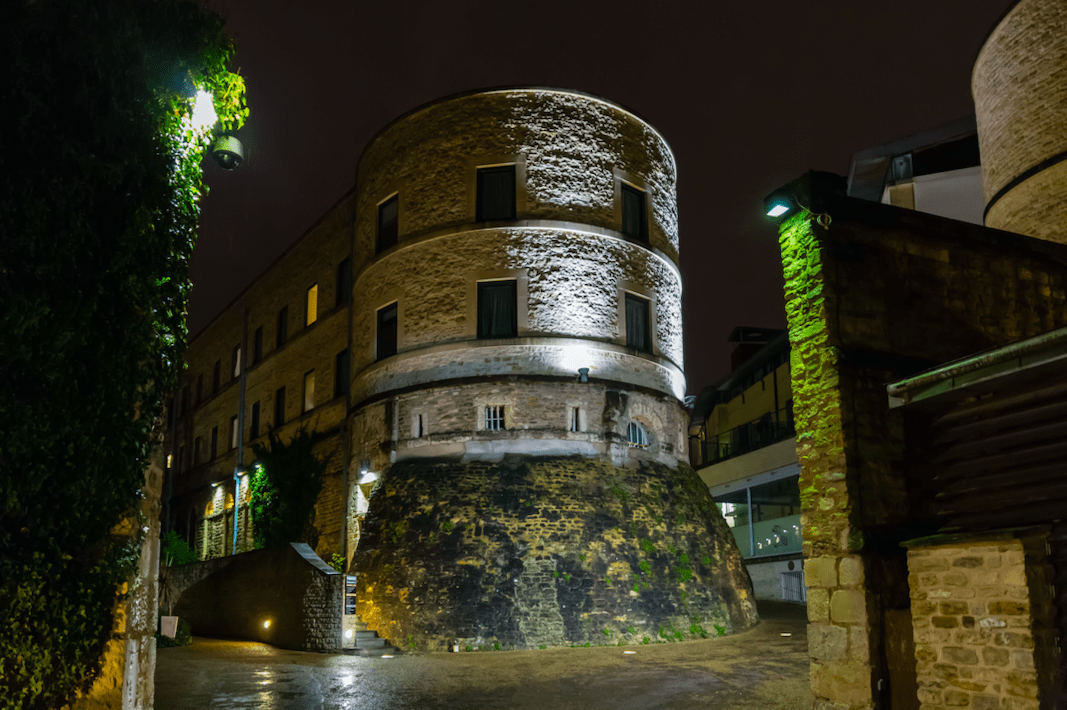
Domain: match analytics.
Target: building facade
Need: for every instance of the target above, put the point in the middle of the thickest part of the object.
(487, 333)
(742, 444)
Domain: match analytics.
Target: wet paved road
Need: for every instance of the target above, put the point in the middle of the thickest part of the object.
(760, 669)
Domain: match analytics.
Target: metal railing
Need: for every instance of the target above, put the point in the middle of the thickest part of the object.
(768, 429)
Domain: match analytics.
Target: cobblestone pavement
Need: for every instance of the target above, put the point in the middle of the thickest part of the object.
(761, 668)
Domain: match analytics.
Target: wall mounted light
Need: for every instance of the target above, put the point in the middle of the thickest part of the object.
(583, 374)
(779, 204)
(266, 623)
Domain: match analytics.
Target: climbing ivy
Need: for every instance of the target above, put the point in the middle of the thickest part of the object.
(99, 181)
(286, 481)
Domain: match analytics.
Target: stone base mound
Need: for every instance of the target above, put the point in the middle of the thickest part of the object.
(547, 552)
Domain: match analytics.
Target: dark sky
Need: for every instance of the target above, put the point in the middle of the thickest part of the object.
(749, 95)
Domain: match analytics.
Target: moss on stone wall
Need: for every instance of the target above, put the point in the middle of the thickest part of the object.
(544, 552)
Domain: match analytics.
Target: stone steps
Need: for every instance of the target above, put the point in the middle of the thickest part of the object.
(369, 643)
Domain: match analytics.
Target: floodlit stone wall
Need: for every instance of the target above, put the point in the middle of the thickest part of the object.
(1020, 95)
(880, 295)
(572, 265)
(535, 553)
(978, 641)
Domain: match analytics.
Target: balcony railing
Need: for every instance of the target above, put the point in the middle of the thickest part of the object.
(768, 429)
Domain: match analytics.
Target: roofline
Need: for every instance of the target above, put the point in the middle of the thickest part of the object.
(259, 277)
(509, 88)
(985, 40)
(986, 365)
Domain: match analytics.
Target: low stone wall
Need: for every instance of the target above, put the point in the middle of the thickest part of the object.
(980, 607)
(543, 552)
(286, 597)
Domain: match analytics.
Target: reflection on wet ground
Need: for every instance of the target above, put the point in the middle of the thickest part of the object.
(761, 668)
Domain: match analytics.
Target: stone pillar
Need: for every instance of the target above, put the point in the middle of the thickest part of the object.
(980, 612)
(842, 675)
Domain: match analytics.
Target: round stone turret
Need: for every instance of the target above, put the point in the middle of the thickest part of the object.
(516, 259)
(1020, 95)
(518, 384)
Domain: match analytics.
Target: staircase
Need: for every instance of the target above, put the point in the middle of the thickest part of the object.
(369, 643)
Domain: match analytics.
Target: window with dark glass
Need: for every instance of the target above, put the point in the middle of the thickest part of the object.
(214, 442)
(387, 331)
(215, 376)
(340, 373)
(184, 401)
(234, 432)
(253, 431)
(344, 281)
(279, 407)
(494, 418)
(200, 388)
(257, 345)
(196, 451)
(496, 193)
(497, 313)
(638, 333)
(309, 390)
(282, 333)
(388, 224)
(634, 213)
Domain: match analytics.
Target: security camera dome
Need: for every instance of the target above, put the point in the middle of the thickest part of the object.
(228, 152)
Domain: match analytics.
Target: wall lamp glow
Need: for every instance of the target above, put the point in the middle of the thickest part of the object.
(204, 116)
(583, 374)
(779, 204)
(266, 623)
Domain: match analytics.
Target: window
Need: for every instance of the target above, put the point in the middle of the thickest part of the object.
(344, 281)
(279, 407)
(200, 388)
(282, 334)
(638, 334)
(216, 376)
(311, 311)
(214, 442)
(636, 436)
(340, 373)
(196, 451)
(254, 430)
(418, 426)
(184, 407)
(236, 362)
(576, 419)
(494, 418)
(634, 213)
(234, 432)
(309, 390)
(257, 345)
(496, 194)
(387, 331)
(497, 315)
(388, 224)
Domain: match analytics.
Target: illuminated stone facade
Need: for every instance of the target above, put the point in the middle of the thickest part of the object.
(515, 317)
(1020, 96)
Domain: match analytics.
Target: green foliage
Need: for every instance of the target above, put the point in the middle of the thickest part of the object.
(98, 212)
(645, 566)
(698, 630)
(647, 546)
(447, 526)
(175, 550)
(285, 484)
(337, 561)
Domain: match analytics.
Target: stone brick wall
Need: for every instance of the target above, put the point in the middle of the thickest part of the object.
(547, 552)
(880, 295)
(979, 643)
(313, 259)
(1020, 94)
(290, 587)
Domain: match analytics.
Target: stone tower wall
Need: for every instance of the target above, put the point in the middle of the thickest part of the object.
(565, 250)
(1020, 94)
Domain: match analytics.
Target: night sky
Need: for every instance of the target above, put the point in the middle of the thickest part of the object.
(749, 95)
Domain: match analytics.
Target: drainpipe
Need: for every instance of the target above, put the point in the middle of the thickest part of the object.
(242, 362)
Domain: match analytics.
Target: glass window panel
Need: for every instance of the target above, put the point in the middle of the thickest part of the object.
(497, 313)
(496, 193)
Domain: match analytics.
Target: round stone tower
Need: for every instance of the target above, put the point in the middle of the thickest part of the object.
(518, 382)
(1019, 86)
